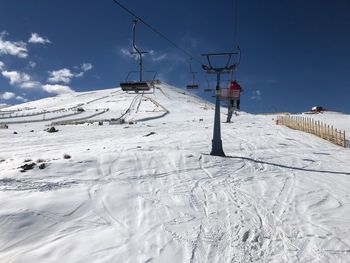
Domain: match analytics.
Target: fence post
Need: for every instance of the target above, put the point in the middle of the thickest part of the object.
(328, 133)
(344, 139)
(336, 136)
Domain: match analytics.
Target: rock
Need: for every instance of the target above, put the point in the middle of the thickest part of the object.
(52, 129)
(66, 156)
(42, 166)
(31, 130)
(26, 167)
(149, 134)
(15, 132)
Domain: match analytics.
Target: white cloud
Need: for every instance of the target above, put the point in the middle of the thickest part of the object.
(32, 64)
(2, 65)
(127, 53)
(86, 66)
(8, 95)
(65, 75)
(18, 49)
(155, 57)
(57, 89)
(256, 95)
(36, 39)
(19, 79)
(20, 98)
(62, 75)
(24, 81)
(30, 84)
(16, 77)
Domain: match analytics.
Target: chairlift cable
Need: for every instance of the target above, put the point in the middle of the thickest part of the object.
(157, 32)
(235, 21)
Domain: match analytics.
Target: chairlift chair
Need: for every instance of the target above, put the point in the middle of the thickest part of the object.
(194, 84)
(137, 85)
(208, 89)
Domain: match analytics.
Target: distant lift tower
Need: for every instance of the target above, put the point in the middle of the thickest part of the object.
(210, 69)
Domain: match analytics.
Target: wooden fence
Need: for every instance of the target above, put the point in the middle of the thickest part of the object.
(312, 126)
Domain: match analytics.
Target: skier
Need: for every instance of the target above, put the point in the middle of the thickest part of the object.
(234, 101)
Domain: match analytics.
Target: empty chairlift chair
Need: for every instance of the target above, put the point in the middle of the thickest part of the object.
(194, 84)
(208, 89)
(137, 85)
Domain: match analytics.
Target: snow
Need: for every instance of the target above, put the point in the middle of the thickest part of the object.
(150, 192)
(337, 119)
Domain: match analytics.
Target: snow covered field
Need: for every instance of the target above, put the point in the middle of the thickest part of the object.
(149, 191)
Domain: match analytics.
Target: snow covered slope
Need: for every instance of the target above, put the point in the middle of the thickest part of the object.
(147, 191)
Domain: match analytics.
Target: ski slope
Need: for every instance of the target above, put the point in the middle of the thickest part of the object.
(148, 191)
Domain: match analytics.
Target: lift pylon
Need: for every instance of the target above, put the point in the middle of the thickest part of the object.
(217, 149)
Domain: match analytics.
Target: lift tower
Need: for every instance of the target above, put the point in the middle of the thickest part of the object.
(210, 69)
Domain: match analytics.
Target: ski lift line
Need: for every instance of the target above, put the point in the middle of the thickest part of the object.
(235, 26)
(157, 32)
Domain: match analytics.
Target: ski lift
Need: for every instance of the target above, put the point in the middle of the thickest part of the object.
(193, 85)
(233, 90)
(208, 89)
(137, 85)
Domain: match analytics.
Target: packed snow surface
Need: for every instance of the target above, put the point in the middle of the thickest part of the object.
(147, 190)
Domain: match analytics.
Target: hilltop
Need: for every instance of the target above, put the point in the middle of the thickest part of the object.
(129, 178)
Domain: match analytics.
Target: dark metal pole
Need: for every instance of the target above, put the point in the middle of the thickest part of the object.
(141, 67)
(217, 142)
(137, 50)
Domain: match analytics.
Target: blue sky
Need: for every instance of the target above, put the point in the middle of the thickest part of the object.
(295, 54)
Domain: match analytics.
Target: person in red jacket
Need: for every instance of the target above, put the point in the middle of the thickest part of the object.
(235, 91)
(235, 86)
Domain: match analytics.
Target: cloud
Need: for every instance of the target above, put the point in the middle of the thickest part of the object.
(32, 64)
(155, 57)
(24, 81)
(36, 39)
(20, 98)
(85, 67)
(15, 77)
(256, 95)
(2, 65)
(127, 53)
(19, 79)
(8, 95)
(18, 49)
(63, 75)
(57, 89)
